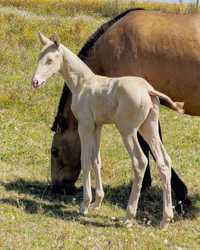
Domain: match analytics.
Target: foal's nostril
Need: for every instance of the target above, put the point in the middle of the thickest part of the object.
(55, 152)
(35, 83)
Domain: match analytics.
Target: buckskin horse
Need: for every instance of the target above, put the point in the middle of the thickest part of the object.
(161, 47)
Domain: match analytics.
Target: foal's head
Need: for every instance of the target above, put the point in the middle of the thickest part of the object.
(49, 61)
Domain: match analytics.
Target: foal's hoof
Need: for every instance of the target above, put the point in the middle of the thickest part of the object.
(95, 206)
(128, 223)
(83, 211)
(164, 224)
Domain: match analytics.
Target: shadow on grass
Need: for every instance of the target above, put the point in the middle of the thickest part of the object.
(41, 190)
(151, 203)
(57, 211)
(41, 200)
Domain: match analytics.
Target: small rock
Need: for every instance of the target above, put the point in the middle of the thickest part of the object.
(165, 241)
(149, 222)
(74, 201)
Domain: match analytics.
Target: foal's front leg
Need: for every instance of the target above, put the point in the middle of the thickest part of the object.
(87, 150)
(99, 193)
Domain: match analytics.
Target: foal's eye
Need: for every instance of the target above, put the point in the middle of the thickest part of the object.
(49, 61)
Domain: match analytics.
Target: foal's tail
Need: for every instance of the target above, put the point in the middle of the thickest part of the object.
(177, 106)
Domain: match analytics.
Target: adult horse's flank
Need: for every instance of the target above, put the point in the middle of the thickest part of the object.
(163, 48)
(128, 102)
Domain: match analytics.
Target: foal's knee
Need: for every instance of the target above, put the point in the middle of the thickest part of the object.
(144, 162)
(140, 164)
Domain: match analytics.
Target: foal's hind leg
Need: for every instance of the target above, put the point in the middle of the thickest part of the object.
(150, 132)
(179, 188)
(139, 162)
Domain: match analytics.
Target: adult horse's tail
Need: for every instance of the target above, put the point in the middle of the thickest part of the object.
(177, 106)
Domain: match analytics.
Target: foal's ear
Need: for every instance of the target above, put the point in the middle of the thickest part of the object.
(55, 38)
(43, 39)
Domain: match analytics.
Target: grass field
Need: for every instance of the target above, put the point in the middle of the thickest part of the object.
(30, 217)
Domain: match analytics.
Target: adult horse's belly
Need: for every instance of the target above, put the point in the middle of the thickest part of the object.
(180, 81)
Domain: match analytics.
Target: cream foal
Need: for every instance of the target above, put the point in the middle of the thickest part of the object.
(128, 102)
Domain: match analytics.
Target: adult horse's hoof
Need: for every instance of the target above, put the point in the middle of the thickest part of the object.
(183, 207)
(83, 210)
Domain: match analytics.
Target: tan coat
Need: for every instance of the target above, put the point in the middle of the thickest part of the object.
(161, 47)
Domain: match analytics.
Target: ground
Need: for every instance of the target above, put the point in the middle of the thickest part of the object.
(30, 216)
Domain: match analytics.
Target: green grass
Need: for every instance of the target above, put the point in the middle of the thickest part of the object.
(30, 217)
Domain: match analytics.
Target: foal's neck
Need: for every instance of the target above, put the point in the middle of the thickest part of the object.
(75, 72)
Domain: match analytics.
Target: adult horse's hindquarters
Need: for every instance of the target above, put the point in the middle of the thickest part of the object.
(163, 48)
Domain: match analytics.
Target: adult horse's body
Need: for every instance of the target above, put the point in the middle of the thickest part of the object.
(163, 48)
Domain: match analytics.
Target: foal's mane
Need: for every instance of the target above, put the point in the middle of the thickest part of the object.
(84, 53)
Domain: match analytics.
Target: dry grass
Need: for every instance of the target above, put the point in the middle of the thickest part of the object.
(105, 8)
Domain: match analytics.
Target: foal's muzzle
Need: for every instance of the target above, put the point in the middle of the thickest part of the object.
(36, 84)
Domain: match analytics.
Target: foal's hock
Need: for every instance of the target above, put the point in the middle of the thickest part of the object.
(130, 103)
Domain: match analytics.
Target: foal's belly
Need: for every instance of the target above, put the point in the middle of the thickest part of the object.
(104, 115)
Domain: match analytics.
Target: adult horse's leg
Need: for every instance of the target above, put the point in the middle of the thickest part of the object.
(179, 188)
(146, 183)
